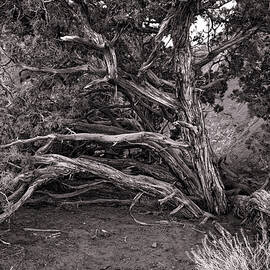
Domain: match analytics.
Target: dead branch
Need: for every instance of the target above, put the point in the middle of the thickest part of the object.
(98, 128)
(70, 194)
(141, 182)
(157, 171)
(150, 92)
(83, 41)
(158, 41)
(83, 68)
(138, 137)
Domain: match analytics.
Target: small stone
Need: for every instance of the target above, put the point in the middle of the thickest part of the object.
(154, 245)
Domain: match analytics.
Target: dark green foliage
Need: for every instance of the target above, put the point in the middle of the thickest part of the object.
(254, 81)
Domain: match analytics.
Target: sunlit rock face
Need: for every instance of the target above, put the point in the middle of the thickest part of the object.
(235, 134)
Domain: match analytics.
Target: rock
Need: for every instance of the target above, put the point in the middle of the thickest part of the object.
(230, 130)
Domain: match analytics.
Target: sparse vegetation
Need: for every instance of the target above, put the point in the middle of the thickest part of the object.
(232, 253)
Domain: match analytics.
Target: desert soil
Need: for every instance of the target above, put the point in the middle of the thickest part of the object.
(98, 238)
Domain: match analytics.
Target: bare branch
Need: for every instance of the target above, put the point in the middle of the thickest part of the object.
(75, 193)
(186, 125)
(158, 41)
(155, 80)
(224, 46)
(138, 137)
(97, 81)
(150, 92)
(143, 183)
(79, 11)
(86, 68)
(97, 128)
(83, 41)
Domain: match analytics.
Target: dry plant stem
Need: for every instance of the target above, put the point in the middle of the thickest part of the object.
(40, 230)
(15, 206)
(16, 194)
(168, 149)
(85, 185)
(82, 127)
(66, 195)
(98, 201)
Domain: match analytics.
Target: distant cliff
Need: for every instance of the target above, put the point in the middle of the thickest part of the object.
(232, 130)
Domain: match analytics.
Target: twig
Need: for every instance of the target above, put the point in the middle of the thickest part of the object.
(167, 198)
(4, 242)
(97, 201)
(40, 230)
(135, 200)
(85, 185)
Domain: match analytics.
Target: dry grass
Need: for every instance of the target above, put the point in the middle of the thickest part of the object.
(232, 253)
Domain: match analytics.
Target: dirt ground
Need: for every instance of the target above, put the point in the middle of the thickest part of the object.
(98, 238)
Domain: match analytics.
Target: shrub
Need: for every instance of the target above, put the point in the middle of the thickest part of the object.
(232, 253)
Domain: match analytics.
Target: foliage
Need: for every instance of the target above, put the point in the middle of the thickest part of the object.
(254, 74)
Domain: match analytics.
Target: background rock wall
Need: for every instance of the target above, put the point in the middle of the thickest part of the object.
(235, 134)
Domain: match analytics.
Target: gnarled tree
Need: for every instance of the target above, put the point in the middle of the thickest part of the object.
(108, 67)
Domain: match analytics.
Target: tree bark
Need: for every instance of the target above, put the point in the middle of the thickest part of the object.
(194, 131)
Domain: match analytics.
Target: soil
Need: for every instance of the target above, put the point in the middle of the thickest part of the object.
(97, 237)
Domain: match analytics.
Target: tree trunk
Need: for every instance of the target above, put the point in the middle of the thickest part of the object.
(191, 118)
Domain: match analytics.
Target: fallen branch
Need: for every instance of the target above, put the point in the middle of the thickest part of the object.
(66, 195)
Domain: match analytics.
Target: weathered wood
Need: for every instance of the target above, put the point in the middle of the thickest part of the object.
(97, 128)
(139, 182)
(150, 139)
(59, 166)
(191, 118)
(160, 172)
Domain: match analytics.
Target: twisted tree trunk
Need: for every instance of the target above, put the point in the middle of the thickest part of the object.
(191, 124)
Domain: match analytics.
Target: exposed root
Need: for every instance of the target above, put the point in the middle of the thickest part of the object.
(59, 166)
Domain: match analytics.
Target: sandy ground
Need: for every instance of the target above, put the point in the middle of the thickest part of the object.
(97, 238)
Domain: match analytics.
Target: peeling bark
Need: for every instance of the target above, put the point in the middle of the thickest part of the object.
(192, 118)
